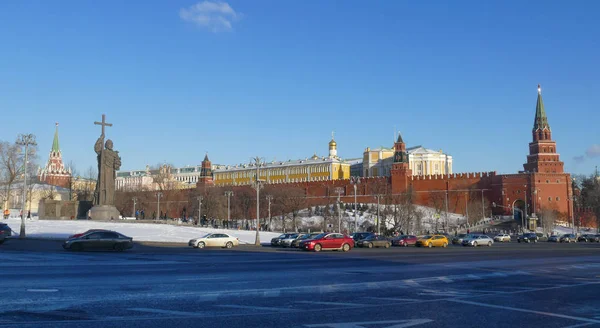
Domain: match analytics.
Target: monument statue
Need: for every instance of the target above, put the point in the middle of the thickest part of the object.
(109, 163)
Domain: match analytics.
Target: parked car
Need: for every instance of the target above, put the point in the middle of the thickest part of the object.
(502, 238)
(296, 242)
(553, 239)
(287, 241)
(589, 238)
(478, 240)
(404, 240)
(459, 238)
(568, 238)
(374, 241)
(214, 240)
(360, 235)
(5, 232)
(331, 241)
(432, 240)
(97, 240)
(275, 241)
(528, 237)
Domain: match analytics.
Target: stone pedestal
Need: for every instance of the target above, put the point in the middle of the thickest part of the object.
(104, 212)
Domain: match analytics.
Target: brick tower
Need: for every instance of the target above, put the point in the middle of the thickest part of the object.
(206, 178)
(55, 173)
(401, 172)
(542, 156)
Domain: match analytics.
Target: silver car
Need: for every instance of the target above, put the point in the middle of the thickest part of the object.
(478, 240)
(287, 241)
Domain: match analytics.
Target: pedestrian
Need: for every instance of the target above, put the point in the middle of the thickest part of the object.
(21, 214)
(468, 231)
(161, 215)
(29, 214)
(6, 214)
(137, 214)
(154, 215)
(143, 215)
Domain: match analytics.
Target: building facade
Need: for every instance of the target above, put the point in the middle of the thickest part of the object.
(378, 162)
(55, 173)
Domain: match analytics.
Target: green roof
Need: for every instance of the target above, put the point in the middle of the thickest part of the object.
(541, 120)
(55, 147)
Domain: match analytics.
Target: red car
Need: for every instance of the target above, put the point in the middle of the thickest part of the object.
(334, 241)
(404, 240)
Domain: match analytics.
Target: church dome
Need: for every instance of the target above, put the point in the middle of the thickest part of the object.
(332, 143)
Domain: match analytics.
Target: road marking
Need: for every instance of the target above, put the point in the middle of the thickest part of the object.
(200, 279)
(445, 279)
(169, 312)
(42, 290)
(261, 308)
(411, 282)
(395, 299)
(330, 303)
(526, 311)
(395, 324)
(580, 325)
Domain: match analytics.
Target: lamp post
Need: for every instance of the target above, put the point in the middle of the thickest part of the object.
(25, 140)
(339, 191)
(199, 198)
(269, 199)
(482, 205)
(158, 195)
(571, 199)
(513, 209)
(134, 203)
(257, 184)
(228, 193)
(467, 206)
(355, 181)
(378, 196)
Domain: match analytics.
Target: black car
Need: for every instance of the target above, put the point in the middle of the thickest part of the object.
(528, 238)
(361, 235)
(5, 232)
(296, 242)
(568, 238)
(589, 238)
(275, 241)
(99, 240)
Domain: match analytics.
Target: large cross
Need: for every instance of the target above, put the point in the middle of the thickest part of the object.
(103, 123)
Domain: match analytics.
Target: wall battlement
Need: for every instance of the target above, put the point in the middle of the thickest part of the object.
(454, 176)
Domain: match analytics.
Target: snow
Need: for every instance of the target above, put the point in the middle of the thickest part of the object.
(61, 229)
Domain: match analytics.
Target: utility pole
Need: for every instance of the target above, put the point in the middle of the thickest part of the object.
(158, 195)
(134, 203)
(378, 196)
(339, 191)
(25, 140)
(228, 193)
(355, 181)
(257, 184)
(467, 206)
(269, 199)
(482, 205)
(446, 205)
(199, 198)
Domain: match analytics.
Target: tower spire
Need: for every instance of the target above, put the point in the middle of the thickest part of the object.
(541, 120)
(55, 145)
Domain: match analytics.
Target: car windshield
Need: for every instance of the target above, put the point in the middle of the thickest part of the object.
(426, 237)
(320, 236)
(206, 236)
(371, 237)
(462, 235)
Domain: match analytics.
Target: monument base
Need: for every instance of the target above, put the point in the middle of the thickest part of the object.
(104, 212)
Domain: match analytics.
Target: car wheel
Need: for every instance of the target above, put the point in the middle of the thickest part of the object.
(429, 245)
(387, 245)
(119, 247)
(405, 244)
(201, 244)
(489, 243)
(2, 241)
(76, 247)
(519, 241)
(345, 247)
(369, 245)
(475, 244)
(229, 245)
(445, 245)
(535, 241)
(318, 247)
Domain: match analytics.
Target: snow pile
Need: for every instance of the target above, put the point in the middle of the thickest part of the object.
(59, 229)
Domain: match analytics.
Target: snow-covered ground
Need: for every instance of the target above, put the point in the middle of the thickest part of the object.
(61, 229)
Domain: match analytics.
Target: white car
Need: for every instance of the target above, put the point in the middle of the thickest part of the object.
(503, 237)
(214, 240)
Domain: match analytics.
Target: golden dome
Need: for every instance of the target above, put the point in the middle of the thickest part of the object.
(332, 143)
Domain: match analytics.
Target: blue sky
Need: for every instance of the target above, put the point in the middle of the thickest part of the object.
(273, 78)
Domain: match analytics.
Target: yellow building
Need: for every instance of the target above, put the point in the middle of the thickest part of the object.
(314, 168)
(422, 161)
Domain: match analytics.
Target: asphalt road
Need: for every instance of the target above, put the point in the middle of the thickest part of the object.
(508, 285)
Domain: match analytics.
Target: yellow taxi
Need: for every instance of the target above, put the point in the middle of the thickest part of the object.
(432, 240)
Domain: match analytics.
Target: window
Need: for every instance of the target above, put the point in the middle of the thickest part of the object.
(549, 199)
(557, 199)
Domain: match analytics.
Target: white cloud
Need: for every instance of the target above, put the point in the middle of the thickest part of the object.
(216, 16)
(593, 151)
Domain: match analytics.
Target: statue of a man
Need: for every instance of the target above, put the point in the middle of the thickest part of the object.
(109, 163)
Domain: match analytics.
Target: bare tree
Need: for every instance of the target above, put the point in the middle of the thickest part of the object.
(548, 218)
(295, 201)
(163, 177)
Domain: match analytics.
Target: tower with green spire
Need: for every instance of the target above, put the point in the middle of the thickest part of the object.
(55, 173)
(542, 157)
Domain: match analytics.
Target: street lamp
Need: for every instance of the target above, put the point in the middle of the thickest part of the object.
(25, 140)
(514, 209)
(199, 198)
(378, 196)
(228, 194)
(158, 195)
(269, 199)
(134, 203)
(339, 191)
(257, 184)
(355, 181)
